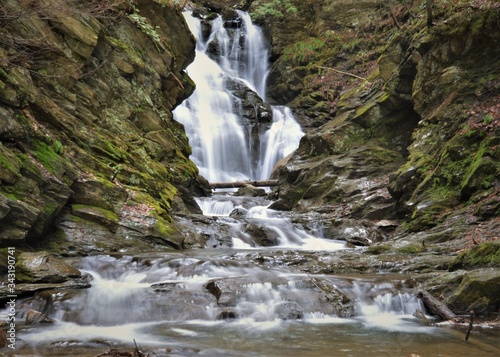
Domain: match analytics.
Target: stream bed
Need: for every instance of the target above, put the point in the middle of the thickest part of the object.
(233, 302)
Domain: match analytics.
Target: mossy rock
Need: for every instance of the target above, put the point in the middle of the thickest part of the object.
(42, 267)
(483, 255)
(378, 249)
(479, 290)
(49, 156)
(99, 215)
(411, 249)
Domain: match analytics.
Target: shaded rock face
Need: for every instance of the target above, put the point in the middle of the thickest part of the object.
(86, 100)
(410, 138)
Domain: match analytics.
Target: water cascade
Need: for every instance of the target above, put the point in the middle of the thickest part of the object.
(226, 145)
(242, 299)
(223, 304)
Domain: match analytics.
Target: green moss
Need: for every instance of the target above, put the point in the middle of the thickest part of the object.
(378, 249)
(107, 148)
(163, 229)
(46, 155)
(134, 55)
(58, 147)
(483, 255)
(383, 156)
(7, 163)
(481, 168)
(303, 52)
(411, 249)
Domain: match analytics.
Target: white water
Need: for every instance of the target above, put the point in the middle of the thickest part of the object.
(219, 136)
(161, 302)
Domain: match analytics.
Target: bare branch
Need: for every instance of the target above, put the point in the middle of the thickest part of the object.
(342, 72)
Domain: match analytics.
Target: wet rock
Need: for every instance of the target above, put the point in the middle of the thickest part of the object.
(227, 314)
(251, 191)
(214, 289)
(252, 106)
(42, 267)
(34, 317)
(262, 235)
(238, 212)
(289, 310)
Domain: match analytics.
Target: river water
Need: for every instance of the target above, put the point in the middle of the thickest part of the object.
(167, 303)
(241, 299)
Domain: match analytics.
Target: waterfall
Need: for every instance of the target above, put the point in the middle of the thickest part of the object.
(221, 139)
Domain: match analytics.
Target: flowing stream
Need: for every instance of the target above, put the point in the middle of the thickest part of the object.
(223, 147)
(241, 299)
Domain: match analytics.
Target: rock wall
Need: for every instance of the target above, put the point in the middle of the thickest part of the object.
(90, 157)
(404, 118)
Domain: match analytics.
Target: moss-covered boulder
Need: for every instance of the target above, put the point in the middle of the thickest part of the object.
(479, 291)
(483, 255)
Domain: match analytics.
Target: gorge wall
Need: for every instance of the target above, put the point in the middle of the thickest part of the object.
(404, 117)
(402, 149)
(90, 157)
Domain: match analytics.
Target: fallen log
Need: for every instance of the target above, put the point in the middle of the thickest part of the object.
(436, 307)
(256, 183)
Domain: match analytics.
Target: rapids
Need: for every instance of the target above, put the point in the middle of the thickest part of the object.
(234, 303)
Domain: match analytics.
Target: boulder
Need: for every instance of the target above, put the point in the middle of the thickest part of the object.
(251, 191)
(34, 317)
(479, 291)
(43, 267)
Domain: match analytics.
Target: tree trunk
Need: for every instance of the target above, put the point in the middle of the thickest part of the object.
(261, 183)
(435, 306)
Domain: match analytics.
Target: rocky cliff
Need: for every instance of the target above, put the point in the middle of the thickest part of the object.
(404, 117)
(402, 152)
(90, 157)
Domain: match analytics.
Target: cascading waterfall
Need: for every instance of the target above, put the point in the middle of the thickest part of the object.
(221, 140)
(240, 302)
